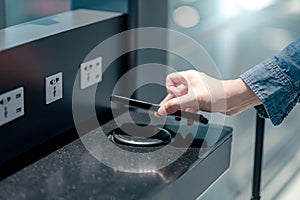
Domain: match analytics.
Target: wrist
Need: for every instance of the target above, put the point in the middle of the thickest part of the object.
(239, 96)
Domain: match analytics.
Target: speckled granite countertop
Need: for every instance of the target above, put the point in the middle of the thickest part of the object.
(72, 172)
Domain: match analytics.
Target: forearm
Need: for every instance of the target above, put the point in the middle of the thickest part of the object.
(276, 82)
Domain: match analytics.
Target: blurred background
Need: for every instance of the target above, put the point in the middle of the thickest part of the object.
(237, 34)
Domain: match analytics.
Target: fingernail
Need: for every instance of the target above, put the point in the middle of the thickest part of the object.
(161, 111)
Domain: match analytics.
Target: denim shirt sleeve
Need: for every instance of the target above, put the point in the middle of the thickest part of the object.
(276, 82)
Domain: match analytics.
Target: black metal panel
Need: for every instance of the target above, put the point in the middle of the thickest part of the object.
(141, 13)
(152, 13)
(28, 65)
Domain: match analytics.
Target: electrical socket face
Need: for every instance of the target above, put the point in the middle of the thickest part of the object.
(90, 72)
(11, 105)
(54, 88)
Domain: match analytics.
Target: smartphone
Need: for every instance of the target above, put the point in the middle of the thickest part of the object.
(154, 107)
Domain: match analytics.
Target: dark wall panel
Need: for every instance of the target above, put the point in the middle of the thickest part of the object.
(28, 65)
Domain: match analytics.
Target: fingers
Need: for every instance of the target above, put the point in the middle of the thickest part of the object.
(175, 79)
(169, 106)
(173, 107)
(176, 84)
(167, 98)
(175, 104)
(178, 90)
(162, 112)
(179, 96)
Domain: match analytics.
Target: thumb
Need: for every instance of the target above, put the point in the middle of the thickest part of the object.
(178, 90)
(175, 104)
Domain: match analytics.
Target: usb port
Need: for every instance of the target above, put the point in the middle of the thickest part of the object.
(18, 110)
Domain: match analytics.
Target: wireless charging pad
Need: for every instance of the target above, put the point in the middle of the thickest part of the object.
(159, 136)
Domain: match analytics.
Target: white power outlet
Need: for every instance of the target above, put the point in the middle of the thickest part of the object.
(90, 72)
(54, 88)
(11, 105)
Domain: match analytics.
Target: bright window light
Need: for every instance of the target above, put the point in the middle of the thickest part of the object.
(232, 8)
(254, 5)
(188, 1)
(228, 8)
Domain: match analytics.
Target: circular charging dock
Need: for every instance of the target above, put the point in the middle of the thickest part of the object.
(159, 136)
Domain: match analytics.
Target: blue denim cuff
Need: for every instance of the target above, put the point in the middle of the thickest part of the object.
(260, 109)
(274, 88)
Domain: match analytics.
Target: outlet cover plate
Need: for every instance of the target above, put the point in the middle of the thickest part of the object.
(11, 105)
(90, 72)
(54, 88)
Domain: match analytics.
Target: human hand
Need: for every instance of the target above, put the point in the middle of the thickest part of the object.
(192, 91)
